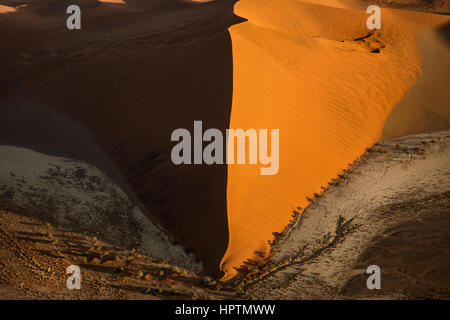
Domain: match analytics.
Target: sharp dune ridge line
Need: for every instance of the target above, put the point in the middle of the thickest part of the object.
(308, 68)
(305, 70)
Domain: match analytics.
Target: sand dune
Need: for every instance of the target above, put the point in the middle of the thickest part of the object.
(140, 69)
(425, 106)
(391, 210)
(303, 70)
(416, 5)
(133, 80)
(76, 195)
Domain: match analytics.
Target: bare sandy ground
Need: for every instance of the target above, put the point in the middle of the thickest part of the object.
(390, 209)
(36, 254)
(79, 197)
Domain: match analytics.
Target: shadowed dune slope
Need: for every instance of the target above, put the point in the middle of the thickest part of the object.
(425, 106)
(315, 73)
(131, 81)
(49, 7)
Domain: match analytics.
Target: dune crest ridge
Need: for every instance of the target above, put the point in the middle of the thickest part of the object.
(329, 85)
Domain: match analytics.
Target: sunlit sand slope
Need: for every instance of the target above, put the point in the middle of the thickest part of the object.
(6, 9)
(317, 74)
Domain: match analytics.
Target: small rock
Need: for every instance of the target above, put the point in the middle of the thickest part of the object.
(148, 277)
(95, 260)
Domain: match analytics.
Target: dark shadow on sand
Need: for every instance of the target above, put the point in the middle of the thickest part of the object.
(130, 91)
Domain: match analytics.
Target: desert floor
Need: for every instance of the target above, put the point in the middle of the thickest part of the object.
(35, 256)
(389, 209)
(398, 222)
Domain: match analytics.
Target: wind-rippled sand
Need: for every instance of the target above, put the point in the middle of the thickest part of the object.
(314, 71)
(137, 70)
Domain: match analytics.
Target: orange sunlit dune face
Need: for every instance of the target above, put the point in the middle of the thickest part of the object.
(300, 70)
(6, 9)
